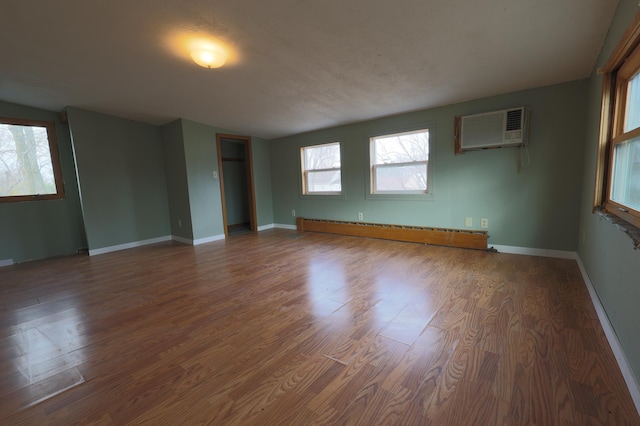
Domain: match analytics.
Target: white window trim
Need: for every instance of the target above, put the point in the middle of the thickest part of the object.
(305, 171)
(372, 192)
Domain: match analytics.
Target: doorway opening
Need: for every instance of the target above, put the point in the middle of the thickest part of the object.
(235, 163)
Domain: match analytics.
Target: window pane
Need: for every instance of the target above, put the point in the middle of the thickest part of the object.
(322, 156)
(625, 187)
(632, 113)
(25, 161)
(402, 148)
(401, 178)
(327, 181)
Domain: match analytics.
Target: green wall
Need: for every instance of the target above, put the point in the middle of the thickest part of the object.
(122, 179)
(194, 191)
(45, 228)
(137, 182)
(177, 184)
(201, 159)
(608, 256)
(262, 181)
(534, 206)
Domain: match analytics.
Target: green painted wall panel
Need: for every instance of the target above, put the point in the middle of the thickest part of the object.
(122, 179)
(608, 256)
(201, 159)
(47, 228)
(534, 206)
(177, 184)
(262, 181)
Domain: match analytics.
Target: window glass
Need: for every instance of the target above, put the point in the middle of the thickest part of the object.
(27, 164)
(404, 178)
(324, 181)
(399, 162)
(321, 173)
(632, 112)
(617, 183)
(625, 187)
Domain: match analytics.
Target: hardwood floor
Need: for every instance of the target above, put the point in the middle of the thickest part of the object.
(282, 328)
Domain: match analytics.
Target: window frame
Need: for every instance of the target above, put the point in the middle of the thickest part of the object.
(305, 171)
(373, 166)
(53, 153)
(623, 64)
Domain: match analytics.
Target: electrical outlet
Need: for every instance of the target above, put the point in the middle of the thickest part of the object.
(293, 213)
(360, 216)
(484, 223)
(468, 222)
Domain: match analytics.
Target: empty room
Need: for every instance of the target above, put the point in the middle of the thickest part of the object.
(338, 212)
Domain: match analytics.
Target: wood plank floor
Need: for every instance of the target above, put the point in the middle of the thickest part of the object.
(282, 328)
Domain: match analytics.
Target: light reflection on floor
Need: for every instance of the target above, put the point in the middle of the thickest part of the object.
(327, 287)
(399, 308)
(404, 309)
(47, 351)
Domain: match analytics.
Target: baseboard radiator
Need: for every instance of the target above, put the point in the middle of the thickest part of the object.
(414, 234)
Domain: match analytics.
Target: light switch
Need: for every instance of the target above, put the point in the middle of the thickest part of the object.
(215, 174)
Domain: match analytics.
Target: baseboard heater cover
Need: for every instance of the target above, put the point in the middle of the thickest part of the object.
(416, 234)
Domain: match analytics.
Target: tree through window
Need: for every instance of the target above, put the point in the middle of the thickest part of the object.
(321, 173)
(399, 163)
(29, 162)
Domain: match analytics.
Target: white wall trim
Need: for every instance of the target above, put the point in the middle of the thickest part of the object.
(215, 237)
(208, 239)
(609, 332)
(560, 254)
(119, 247)
(284, 226)
(182, 240)
(6, 262)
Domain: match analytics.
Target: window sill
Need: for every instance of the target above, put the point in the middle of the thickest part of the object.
(630, 230)
(324, 196)
(400, 196)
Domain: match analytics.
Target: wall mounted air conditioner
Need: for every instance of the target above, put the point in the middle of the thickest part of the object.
(495, 129)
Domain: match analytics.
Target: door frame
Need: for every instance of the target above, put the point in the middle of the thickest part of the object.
(251, 193)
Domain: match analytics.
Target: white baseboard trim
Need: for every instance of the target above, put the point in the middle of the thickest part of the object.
(285, 226)
(103, 250)
(6, 262)
(222, 237)
(609, 332)
(198, 241)
(208, 239)
(560, 254)
(182, 240)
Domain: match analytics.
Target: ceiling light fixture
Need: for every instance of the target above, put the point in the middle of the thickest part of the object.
(210, 57)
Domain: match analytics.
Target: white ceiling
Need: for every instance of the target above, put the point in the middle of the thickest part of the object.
(296, 65)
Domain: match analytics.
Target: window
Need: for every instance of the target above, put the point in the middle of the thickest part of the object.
(321, 172)
(625, 141)
(399, 163)
(29, 163)
(618, 170)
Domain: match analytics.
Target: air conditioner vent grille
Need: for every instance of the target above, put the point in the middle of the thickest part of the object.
(514, 120)
(496, 129)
